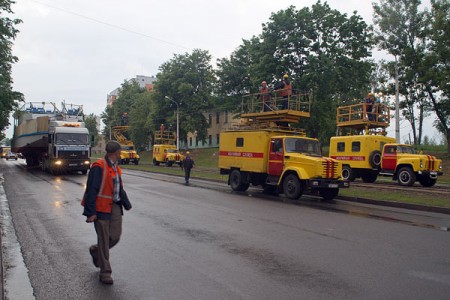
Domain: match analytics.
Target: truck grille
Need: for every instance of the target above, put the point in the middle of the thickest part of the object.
(431, 162)
(73, 154)
(329, 168)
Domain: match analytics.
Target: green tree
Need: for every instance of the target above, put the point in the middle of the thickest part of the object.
(7, 35)
(140, 120)
(187, 79)
(437, 66)
(90, 121)
(324, 52)
(402, 32)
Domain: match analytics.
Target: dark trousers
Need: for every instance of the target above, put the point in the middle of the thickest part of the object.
(108, 235)
(187, 174)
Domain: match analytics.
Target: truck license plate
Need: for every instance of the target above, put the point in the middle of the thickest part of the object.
(72, 165)
(333, 185)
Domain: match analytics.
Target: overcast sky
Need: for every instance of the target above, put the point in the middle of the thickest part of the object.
(79, 51)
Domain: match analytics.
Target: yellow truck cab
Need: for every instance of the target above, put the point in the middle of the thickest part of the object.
(129, 155)
(167, 154)
(406, 166)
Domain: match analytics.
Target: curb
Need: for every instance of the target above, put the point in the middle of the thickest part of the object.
(434, 209)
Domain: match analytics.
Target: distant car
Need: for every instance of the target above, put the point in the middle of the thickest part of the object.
(11, 155)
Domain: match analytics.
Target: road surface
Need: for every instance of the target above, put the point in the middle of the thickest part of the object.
(205, 242)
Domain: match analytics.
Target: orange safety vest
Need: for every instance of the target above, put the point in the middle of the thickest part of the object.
(287, 90)
(104, 199)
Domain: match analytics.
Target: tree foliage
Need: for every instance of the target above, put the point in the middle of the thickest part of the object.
(419, 41)
(186, 80)
(90, 121)
(8, 33)
(324, 52)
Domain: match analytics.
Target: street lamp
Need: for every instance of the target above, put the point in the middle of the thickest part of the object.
(178, 124)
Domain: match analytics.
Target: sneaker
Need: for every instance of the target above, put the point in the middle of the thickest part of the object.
(93, 251)
(106, 278)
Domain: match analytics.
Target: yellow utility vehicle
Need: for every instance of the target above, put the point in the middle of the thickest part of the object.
(128, 154)
(368, 153)
(265, 151)
(165, 151)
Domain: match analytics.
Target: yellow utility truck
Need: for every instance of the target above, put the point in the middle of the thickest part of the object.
(166, 154)
(265, 151)
(164, 150)
(128, 154)
(371, 153)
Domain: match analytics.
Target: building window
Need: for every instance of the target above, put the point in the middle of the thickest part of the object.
(210, 139)
(210, 119)
(356, 146)
(341, 147)
(225, 114)
(190, 142)
(217, 117)
(218, 139)
(196, 141)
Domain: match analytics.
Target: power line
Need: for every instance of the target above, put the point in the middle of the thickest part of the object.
(110, 25)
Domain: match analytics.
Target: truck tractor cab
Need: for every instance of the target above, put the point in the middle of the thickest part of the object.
(166, 154)
(405, 165)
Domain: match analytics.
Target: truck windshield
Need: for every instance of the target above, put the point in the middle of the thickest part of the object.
(72, 139)
(172, 150)
(304, 146)
(406, 149)
(127, 148)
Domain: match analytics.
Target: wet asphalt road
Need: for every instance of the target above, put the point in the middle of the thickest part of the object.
(191, 242)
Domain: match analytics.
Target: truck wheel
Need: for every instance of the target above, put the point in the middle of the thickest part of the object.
(292, 187)
(375, 159)
(155, 162)
(127, 161)
(427, 181)
(369, 177)
(84, 172)
(328, 194)
(348, 173)
(169, 163)
(136, 162)
(236, 181)
(406, 177)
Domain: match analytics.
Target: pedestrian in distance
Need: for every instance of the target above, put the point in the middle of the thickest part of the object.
(187, 164)
(103, 201)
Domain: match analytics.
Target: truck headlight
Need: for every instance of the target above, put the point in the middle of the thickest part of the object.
(86, 162)
(58, 162)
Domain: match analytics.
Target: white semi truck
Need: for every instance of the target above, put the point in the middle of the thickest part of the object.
(56, 140)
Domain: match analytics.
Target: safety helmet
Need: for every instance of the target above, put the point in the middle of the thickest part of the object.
(264, 82)
(285, 76)
(187, 152)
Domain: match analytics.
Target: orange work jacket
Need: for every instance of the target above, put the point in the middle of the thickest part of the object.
(104, 199)
(287, 90)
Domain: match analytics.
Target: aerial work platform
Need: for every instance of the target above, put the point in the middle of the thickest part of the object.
(357, 120)
(165, 137)
(265, 108)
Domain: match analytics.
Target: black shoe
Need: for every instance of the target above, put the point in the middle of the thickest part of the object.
(93, 251)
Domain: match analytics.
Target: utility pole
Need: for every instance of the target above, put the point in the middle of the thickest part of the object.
(397, 106)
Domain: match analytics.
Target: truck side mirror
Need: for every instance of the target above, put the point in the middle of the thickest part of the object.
(49, 138)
